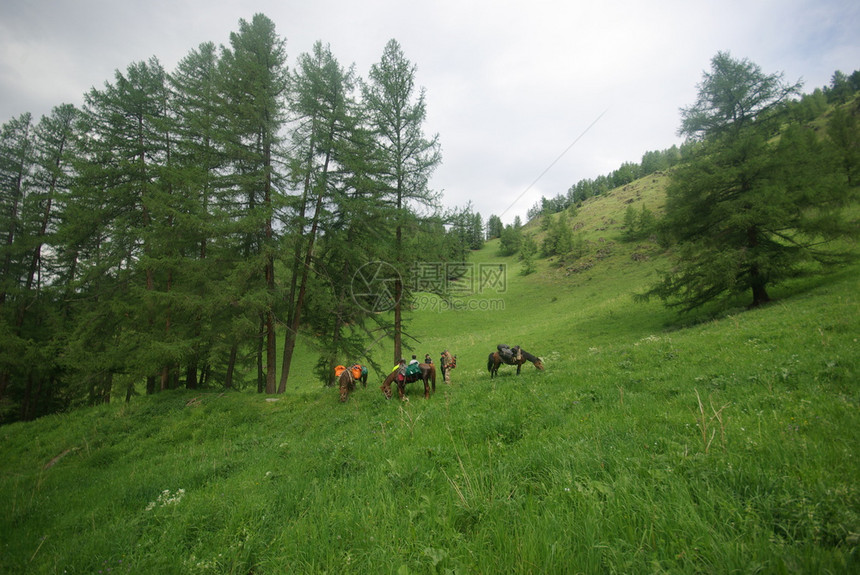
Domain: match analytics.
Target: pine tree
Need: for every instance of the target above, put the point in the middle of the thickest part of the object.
(326, 125)
(407, 157)
(16, 163)
(747, 208)
(199, 297)
(16, 151)
(254, 75)
(123, 195)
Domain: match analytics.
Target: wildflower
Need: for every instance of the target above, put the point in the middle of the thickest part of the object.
(166, 498)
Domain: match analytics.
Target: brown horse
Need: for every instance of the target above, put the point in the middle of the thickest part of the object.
(496, 359)
(346, 380)
(347, 384)
(427, 375)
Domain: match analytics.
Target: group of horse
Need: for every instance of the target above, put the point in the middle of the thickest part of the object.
(427, 373)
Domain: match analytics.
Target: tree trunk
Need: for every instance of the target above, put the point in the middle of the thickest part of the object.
(271, 355)
(165, 378)
(231, 366)
(398, 286)
(289, 340)
(25, 401)
(271, 339)
(106, 388)
(335, 343)
(293, 328)
(398, 294)
(757, 281)
(760, 296)
(261, 378)
(191, 374)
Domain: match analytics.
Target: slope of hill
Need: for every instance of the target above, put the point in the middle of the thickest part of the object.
(724, 444)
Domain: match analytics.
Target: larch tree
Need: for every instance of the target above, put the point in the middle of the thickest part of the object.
(254, 75)
(397, 112)
(755, 200)
(325, 122)
(37, 319)
(200, 181)
(123, 185)
(16, 163)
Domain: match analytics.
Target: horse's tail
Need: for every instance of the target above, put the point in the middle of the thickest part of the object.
(490, 362)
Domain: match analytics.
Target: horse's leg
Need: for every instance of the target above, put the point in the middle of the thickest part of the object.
(344, 389)
(519, 365)
(401, 388)
(426, 386)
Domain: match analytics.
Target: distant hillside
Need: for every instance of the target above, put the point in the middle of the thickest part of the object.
(599, 222)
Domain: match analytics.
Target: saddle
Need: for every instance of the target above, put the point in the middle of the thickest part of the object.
(356, 370)
(413, 373)
(509, 354)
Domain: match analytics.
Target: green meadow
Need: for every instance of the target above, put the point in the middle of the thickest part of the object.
(720, 442)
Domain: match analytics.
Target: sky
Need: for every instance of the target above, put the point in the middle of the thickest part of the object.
(527, 97)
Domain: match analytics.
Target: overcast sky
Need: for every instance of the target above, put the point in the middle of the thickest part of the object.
(527, 96)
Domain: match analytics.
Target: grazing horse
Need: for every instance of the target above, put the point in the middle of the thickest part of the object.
(496, 359)
(427, 375)
(347, 377)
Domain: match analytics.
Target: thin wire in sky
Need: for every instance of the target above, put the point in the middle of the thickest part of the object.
(536, 180)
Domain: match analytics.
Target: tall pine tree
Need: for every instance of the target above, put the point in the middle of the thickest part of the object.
(397, 112)
(254, 73)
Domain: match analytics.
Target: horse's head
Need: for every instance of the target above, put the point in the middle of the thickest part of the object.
(538, 364)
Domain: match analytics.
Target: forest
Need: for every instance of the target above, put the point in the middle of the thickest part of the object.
(161, 235)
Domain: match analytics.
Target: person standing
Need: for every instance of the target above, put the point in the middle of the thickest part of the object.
(447, 362)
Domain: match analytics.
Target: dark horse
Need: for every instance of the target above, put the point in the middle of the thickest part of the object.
(427, 375)
(346, 380)
(496, 359)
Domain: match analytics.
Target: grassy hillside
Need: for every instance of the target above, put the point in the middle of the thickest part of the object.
(720, 444)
